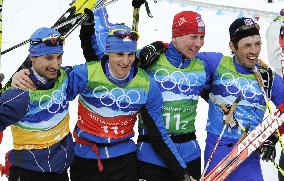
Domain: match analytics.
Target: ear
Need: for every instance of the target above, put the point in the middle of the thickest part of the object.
(32, 59)
(232, 47)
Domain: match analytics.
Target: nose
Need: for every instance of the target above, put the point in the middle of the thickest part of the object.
(55, 63)
(199, 42)
(125, 59)
(255, 49)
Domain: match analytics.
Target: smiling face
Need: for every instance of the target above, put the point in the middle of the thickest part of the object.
(188, 45)
(247, 50)
(48, 65)
(120, 63)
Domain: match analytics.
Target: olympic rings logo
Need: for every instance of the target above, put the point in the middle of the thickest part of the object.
(116, 96)
(177, 78)
(58, 98)
(247, 88)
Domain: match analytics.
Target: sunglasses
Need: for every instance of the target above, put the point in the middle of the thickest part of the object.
(121, 33)
(50, 41)
(246, 27)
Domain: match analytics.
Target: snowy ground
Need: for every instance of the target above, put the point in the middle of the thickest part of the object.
(21, 18)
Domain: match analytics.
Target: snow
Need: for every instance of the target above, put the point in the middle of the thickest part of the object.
(21, 18)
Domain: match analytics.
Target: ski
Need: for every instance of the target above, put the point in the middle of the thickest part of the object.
(72, 18)
(246, 147)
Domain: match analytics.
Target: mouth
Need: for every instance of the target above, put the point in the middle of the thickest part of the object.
(123, 66)
(195, 51)
(252, 58)
(52, 70)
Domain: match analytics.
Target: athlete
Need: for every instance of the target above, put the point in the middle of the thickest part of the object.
(238, 77)
(181, 78)
(39, 118)
(112, 92)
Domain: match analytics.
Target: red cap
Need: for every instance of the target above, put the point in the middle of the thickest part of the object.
(187, 22)
(282, 12)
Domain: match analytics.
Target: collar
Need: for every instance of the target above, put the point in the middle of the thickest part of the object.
(176, 58)
(40, 82)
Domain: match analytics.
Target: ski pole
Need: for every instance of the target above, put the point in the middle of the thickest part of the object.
(57, 26)
(228, 117)
(213, 151)
(260, 83)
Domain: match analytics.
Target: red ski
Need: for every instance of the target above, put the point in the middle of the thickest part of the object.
(246, 147)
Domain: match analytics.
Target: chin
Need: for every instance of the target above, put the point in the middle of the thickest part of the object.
(52, 77)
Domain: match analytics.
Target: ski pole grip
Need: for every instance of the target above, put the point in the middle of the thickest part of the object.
(233, 108)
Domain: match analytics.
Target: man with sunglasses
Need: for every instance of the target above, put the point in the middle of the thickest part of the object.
(151, 166)
(111, 96)
(91, 43)
(39, 118)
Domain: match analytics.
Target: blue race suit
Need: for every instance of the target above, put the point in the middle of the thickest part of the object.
(229, 81)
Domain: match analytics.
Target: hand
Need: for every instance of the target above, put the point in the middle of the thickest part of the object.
(268, 150)
(188, 178)
(150, 54)
(231, 122)
(90, 17)
(1, 136)
(137, 3)
(21, 80)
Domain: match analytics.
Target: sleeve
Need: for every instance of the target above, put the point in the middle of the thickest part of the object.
(211, 61)
(77, 81)
(277, 95)
(93, 36)
(86, 34)
(14, 105)
(158, 134)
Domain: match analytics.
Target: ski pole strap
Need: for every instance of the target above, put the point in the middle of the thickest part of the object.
(94, 148)
(181, 138)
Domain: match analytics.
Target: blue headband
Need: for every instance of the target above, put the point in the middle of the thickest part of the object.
(41, 49)
(116, 44)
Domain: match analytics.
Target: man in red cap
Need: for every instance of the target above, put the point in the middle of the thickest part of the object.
(181, 78)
